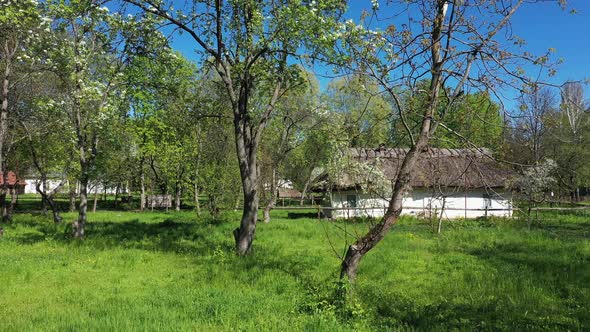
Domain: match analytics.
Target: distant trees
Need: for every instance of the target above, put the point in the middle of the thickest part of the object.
(366, 113)
(536, 106)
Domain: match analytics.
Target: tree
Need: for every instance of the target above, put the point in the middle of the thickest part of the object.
(20, 22)
(573, 105)
(294, 113)
(90, 70)
(534, 182)
(367, 115)
(566, 141)
(248, 44)
(535, 107)
(450, 41)
(477, 119)
(45, 128)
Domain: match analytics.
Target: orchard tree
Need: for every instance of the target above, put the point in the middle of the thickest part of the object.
(466, 44)
(21, 26)
(248, 44)
(89, 66)
(47, 143)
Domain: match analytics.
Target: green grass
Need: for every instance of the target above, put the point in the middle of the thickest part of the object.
(158, 271)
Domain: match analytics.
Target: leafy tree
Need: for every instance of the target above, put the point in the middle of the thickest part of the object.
(21, 23)
(367, 115)
(567, 141)
(248, 44)
(90, 71)
(293, 116)
(476, 120)
(534, 183)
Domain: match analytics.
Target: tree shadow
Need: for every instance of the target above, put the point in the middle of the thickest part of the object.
(170, 235)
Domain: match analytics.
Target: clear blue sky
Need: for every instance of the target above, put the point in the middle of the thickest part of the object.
(542, 25)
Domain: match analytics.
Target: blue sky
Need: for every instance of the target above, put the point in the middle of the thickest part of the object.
(542, 25)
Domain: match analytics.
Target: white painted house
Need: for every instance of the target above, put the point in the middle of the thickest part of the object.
(30, 186)
(459, 183)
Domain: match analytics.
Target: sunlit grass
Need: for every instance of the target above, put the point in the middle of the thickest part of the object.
(177, 271)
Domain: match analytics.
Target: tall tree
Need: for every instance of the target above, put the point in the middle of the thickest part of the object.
(536, 105)
(449, 41)
(20, 23)
(90, 70)
(248, 44)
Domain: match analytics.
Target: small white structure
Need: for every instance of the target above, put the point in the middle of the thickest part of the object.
(53, 182)
(459, 183)
(31, 185)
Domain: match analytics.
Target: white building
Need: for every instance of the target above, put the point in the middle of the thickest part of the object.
(31, 186)
(459, 183)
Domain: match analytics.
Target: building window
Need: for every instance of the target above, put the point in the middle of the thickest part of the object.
(351, 200)
(487, 201)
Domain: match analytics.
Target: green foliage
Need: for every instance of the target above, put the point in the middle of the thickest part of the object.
(366, 113)
(477, 119)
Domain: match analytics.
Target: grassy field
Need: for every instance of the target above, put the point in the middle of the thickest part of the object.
(174, 271)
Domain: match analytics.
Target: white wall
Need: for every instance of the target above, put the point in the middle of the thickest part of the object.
(421, 202)
(30, 187)
(32, 182)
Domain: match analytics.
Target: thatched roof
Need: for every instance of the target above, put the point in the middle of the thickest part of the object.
(289, 193)
(464, 168)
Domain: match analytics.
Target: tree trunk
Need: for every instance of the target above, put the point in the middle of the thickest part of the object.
(117, 189)
(196, 184)
(4, 127)
(56, 217)
(213, 210)
(142, 188)
(273, 195)
(12, 205)
(72, 197)
(80, 223)
(95, 199)
(357, 250)
(177, 194)
(442, 211)
(244, 235)
(3, 206)
(47, 198)
(197, 203)
(306, 186)
(43, 198)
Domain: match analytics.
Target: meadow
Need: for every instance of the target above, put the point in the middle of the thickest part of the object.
(177, 271)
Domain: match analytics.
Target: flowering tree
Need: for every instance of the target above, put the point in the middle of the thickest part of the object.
(534, 183)
(88, 64)
(22, 25)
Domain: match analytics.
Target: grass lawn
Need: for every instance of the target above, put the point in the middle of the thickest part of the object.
(174, 271)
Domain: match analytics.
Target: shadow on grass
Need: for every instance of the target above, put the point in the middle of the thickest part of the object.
(170, 235)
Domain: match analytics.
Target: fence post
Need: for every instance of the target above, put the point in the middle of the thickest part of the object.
(319, 213)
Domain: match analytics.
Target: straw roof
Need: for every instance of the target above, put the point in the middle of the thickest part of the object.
(464, 168)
